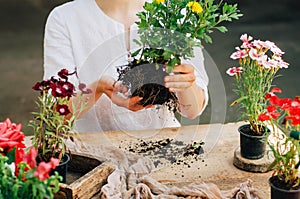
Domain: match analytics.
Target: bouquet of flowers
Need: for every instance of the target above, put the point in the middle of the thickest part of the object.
(54, 120)
(284, 113)
(259, 61)
(20, 175)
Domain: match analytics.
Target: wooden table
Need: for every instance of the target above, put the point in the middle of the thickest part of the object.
(215, 165)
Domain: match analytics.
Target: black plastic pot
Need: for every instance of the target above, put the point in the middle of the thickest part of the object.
(295, 135)
(62, 168)
(252, 146)
(278, 193)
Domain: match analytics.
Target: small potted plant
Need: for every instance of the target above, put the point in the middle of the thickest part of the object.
(54, 120)
(168, 32)
(259, 62)
(20, 175)
(284, 116)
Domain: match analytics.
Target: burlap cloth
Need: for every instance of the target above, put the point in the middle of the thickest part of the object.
(131, 179)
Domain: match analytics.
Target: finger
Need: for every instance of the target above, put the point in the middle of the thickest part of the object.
(134, 101)
(149, 106)
(180, 78)
(135, 107)
(119, 87)
(177, 89)
(178, 85)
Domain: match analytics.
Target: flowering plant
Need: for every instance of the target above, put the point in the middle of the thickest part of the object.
(284, 113)
(259, 61)
(54, 121)
(170, 29)
(20, 175)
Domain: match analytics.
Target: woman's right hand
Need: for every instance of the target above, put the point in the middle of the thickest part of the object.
(118, 93)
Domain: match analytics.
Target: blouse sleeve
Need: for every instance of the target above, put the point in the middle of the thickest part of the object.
(201, 76)
(58, 51)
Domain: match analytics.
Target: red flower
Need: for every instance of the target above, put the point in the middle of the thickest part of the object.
(30, 158)
(11, 135)
(294, 110)
(274, 100)
(42, 171)
(275, 115)
(272, 112)
(19, 156)
(57, 90)
(44, 168)
(288, 108)
(276, 90)
(63, 73)
(83, 89)
(264, 116)
(271, 108)
(295, 119)
(62, 109)
(54, 162)
(285, 103)
(38, 87)
(68, 88)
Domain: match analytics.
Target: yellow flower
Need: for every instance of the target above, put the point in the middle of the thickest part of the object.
(195, 6)
(159, 1)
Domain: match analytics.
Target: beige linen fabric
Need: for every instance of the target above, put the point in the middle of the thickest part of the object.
(131, 179)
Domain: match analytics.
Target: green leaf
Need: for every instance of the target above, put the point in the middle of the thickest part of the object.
(137, 42)
(11, 155)
(148, 6)
(239, 100)
(222, 29)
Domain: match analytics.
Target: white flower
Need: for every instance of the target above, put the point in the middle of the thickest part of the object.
(11, 166)
(276, 50)
(234, 70)
(245, 38)
(254, 54)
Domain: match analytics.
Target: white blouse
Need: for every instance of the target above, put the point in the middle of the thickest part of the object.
(79, 34)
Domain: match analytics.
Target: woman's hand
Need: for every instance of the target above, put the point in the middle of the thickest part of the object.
(190, 97)
(118, 93)
(183, 77)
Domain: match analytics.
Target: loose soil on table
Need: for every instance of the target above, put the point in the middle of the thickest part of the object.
(166, 151)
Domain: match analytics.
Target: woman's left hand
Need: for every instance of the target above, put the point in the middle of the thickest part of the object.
(183, 77)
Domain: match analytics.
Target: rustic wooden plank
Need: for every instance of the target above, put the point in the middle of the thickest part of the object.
(96, 173)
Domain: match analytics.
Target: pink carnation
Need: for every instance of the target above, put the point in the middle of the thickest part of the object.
(234, 70)
(42, 171)
(239, 54)
(245, 38)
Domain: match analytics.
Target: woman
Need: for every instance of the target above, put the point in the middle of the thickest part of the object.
(93, 36)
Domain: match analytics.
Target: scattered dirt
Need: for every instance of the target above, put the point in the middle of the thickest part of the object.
(166, 151)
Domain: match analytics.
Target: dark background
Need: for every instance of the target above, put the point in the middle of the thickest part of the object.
(21, 43)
